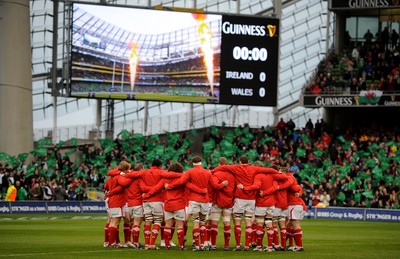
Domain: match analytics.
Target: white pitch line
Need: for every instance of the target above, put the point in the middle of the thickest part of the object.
(99, 217)
(23, 218)
(40, 218)
(81, 217)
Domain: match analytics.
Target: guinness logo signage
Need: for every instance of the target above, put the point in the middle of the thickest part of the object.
(363, 4)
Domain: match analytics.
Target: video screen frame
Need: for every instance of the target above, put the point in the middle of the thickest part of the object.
(177, 62)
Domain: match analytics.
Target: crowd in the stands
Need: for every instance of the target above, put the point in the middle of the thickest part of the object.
(354, 167)
(361, 66)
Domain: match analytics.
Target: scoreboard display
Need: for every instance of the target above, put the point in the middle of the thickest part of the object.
(158, 55)
(249, 60)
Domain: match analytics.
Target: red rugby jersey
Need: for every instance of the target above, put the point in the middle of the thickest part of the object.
(263, 182)
(198, 176)
(117, 199)
(223, 196)
(244, 174)
(174, 198)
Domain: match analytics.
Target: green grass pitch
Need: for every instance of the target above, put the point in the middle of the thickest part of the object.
(66, 236)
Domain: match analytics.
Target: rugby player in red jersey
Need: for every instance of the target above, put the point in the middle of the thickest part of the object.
(153, 206)
(116, 202)
(279, 214)
(244, 203)
(198, 203)
(174, 206)
(106, 190)
(265, 204)
(296, 211)
(134, 189)
(222, 204)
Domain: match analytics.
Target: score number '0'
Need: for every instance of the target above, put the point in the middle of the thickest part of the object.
(255, 54)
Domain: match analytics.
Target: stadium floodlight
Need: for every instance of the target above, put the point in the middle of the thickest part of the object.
(157, 55)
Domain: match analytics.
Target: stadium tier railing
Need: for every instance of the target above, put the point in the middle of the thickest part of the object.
(178, 122)
(46, 207)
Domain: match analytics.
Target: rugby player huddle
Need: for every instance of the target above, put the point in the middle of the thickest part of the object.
(267, 198)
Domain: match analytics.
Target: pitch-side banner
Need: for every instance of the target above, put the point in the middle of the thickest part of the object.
(51, 207)
(357, 214)
(340, 213)
(382, 215)
(27, 207)
(93, 206)
(42, 207)
(70, 207)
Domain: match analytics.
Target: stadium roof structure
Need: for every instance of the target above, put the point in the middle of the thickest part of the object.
(304, 25)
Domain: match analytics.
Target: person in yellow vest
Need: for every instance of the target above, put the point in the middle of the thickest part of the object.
(11, 192)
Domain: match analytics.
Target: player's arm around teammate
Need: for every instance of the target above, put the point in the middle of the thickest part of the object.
(116, 204)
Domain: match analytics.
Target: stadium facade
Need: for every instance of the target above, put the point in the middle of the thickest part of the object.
(307, 32)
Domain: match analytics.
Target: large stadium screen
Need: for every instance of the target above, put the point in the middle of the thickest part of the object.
(158, 55)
